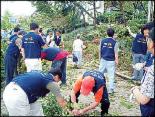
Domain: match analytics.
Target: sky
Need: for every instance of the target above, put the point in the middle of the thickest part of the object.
(17, 8)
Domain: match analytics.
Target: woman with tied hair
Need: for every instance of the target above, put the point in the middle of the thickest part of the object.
(145, 93)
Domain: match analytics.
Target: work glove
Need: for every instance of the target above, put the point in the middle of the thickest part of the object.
(138, 66)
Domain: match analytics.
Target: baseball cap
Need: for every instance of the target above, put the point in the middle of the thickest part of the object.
(87, 85)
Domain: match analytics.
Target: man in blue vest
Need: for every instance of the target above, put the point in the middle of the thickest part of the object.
(139, 50)
(91, 81)
(11, 58)
(32, 44)
(58, 40)
(109, 57)
(22, 93)
(144, 94)
(16, 31)
(58, 58)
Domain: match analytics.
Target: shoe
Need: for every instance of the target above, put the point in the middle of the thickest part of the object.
(133, 78)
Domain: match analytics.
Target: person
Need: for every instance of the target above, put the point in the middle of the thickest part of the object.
(32, 44)
(22, 93)
(16, 31)
(139, 50)
(145, 93)
(42, 34)
(49, 38)
(91, 81)
(58, 40)
(148, 62)
(77, 50)
(11, 58)
(58, 58)
(109, 57)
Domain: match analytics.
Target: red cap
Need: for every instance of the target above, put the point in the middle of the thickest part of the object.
(87, 85)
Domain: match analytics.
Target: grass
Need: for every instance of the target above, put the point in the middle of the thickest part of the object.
(126, 104)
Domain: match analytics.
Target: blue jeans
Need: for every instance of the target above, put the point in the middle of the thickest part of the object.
(78, 54)
(138, 58)
(61, 64)
(110, 67)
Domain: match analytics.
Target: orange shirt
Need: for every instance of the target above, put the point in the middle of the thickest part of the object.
(77, 87)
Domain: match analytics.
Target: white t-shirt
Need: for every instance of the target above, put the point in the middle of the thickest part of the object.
(48, 40)
(77, 45)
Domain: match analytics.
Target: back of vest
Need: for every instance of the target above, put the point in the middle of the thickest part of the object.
(107, 49)
(98, 77)
(51, 53)
(34, 84)
(139, 45)
(32, 45)
(13, 49)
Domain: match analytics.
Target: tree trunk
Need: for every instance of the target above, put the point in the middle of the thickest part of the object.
(122, 11)
(83, 9)
(150, 11)
(94, 6)
(84, 20)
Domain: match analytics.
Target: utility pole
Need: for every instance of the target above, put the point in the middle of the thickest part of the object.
(150, 10)
(94, 5)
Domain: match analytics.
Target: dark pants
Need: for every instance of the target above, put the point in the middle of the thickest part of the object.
(61, 64)
(10, 67)
(105, 104)
(148, 109)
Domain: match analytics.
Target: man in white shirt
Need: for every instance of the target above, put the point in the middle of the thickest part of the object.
(77, 50)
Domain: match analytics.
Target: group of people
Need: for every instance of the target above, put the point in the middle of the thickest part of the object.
(22, 92)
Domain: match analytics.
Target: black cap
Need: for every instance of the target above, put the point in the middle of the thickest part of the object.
(33, 26)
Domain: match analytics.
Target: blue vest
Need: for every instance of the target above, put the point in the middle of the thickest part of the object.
(32, 44)
(51, 53)
(107, 49)
(13, 49)
(13, 36)
(98, 77)
(34, 84)
(149, 59)
(139, 45)
(57, 41)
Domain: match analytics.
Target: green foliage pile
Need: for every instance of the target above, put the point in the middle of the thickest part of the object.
(3, 49)
(50, 106)
(92, 50)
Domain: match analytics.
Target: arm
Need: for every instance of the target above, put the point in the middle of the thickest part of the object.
(42, 43)
(98, 98)
(142, 99)
(76, 88)
(116, 53)
(146, 90)
(22, 52)
(45, 46)
(73, 45)
(62, 41)
(53, 87)
(132, 34)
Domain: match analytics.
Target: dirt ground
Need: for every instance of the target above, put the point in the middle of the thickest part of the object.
(120, 105)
